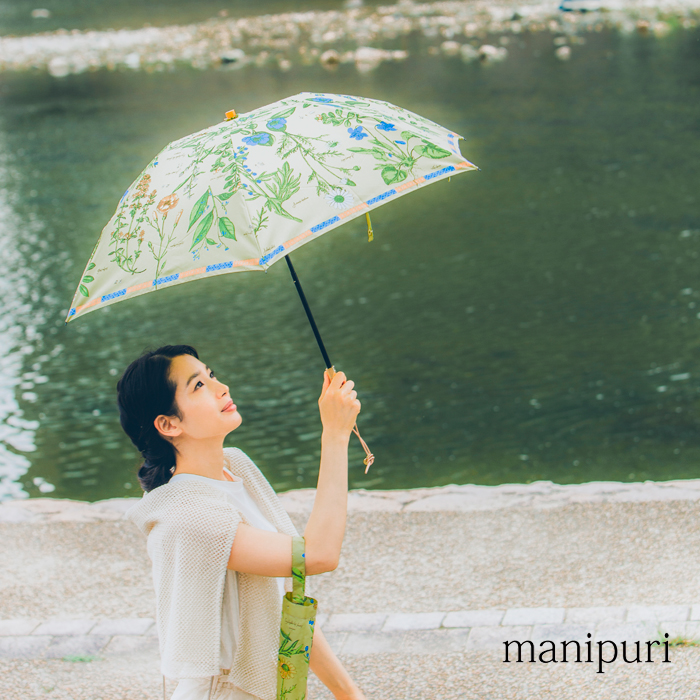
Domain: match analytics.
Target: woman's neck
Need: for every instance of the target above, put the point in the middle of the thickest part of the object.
(202, 460)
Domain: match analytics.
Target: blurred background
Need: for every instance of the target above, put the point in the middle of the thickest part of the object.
(536, 319)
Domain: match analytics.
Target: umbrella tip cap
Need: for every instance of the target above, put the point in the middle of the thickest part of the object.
(231, 114)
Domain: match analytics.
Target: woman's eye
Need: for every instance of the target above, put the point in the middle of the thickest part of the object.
(211, 374)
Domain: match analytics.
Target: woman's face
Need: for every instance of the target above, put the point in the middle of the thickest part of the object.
(204, 402)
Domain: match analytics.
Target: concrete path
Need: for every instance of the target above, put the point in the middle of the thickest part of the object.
(371, 633)
(430, 584)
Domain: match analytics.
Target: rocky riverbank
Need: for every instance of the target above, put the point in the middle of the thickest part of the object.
(476, 30)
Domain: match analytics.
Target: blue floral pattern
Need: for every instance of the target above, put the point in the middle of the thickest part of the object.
(242, 192)
(357, 133)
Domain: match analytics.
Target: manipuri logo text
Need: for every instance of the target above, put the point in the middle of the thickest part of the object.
(548, 653)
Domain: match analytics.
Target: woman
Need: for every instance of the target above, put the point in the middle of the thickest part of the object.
(218, 537)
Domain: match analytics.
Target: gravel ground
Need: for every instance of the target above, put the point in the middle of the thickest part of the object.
(460, 676)
(581, 555)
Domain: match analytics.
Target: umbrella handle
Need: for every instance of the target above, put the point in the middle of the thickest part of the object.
(369, 459)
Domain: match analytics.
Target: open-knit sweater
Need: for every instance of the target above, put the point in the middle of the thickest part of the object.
(190, 526)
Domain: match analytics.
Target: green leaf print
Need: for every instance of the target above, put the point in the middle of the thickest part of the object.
(209, 241)
(226, 195)
(432, 151)
(226, 228)
(202, 229)
(392, 175)
(84, 290)
(378, 153)
(405, 135)
(87, 279)
(90, 266)
(285, 114)
(198, 209)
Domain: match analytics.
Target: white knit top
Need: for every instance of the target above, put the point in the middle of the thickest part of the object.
(190, 524)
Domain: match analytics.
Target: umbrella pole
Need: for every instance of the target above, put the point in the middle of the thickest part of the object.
(329, 367)
(309, 315)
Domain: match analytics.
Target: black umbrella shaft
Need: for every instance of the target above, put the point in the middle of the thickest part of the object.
(309, 315)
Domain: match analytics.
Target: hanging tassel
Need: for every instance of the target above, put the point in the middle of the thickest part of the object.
(370, 233)
(369, 459)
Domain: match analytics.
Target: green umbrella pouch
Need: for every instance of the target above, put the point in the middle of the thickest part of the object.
(296, 631)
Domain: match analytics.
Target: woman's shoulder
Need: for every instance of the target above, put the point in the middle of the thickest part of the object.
(170, 500)
(240, 463)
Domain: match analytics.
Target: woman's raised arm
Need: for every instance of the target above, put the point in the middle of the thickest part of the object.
(264, 553)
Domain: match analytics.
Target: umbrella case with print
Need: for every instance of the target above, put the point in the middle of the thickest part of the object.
(296, 631)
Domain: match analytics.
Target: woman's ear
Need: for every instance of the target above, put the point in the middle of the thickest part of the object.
(167, 427)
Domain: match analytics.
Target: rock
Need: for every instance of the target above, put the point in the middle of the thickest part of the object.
(233, 56)
(58, 67)
(133, 61)
(330, 58)
(368, 58)
(492, 53)
(450, 48)
(468, 52)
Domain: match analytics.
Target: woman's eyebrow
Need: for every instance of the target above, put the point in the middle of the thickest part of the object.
(196, 374)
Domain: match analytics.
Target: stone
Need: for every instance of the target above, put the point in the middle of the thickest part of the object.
(533, 616)
(76, 645)
(631, 632)
(11, 628)
(583, 616)
(23, 647)
(134, 625)
(372, 643)
(562, 633)
(129, 644)
(355, 622)
(473, 618)
(65, 627)
(481, 638)
(413, 621)
(440, 641)
(658, 613)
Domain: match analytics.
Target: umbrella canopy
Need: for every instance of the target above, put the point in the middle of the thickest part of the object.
(244, 193)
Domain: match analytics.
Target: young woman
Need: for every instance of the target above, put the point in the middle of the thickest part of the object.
(218, 538)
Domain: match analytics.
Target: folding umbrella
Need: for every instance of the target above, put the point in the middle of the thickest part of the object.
(244, 193)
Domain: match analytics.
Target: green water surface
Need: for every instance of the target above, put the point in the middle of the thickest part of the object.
(538, 319)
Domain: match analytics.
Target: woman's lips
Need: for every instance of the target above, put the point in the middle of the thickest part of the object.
(230, 408)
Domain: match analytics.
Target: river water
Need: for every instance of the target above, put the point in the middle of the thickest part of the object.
(537, 319)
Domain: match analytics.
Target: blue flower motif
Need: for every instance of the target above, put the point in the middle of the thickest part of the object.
(324, 100)
(403, 143)
(262, 138)
(384, 126)
(277, 124)
(357, 133)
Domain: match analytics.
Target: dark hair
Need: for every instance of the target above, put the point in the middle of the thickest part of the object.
(144, 391)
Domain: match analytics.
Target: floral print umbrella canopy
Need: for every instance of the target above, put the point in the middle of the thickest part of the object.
(242, 194)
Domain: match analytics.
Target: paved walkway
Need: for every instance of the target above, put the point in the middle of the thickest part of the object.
(430, 584)
(371, 633)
